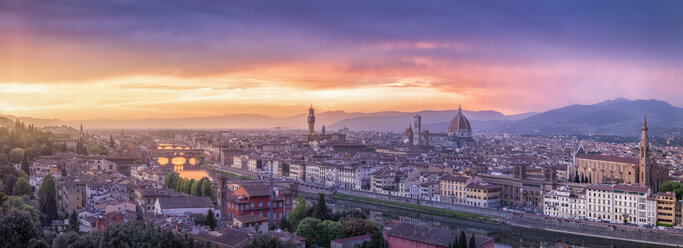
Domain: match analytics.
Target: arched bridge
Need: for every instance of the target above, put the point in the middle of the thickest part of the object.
(176, 155)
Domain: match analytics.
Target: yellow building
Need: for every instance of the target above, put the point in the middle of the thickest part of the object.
(453, 189)
(666, 205)
(483, 195)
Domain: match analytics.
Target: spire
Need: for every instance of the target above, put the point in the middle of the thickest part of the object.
(644, 122)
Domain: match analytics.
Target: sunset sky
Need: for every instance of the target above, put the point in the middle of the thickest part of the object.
(140, 59)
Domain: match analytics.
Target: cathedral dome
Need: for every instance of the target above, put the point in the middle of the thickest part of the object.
(459, 126)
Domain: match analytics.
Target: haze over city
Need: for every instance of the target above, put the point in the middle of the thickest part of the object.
(341, 124)
(165, 59)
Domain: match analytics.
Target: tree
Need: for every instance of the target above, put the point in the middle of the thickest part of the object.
(455, 243)
(130, 234)
(194, 189)
(309, 228)
(357, 227)
(16, 155)
(74, 222)
(265, 240)
(211, 219)
(670, 186)
(377, 240)
(112, 145)
(94, 148)
(462, 241)
(3, 199)
(22, 187)
(16, 202)
(18, 229)
(349, 215)
(284, 225)
(178, 184)
(206, 188)
(8, 179)
(320, 209)
(330, 230)
(298, 213)
(576, 177)
(47, 198)
(473, 243)
(169, 180)
(188, 186)
(25, 166)
(320, 232)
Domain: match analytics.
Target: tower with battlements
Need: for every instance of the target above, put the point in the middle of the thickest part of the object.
(311, 120)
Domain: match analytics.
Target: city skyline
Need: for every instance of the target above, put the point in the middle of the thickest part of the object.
(119, 60)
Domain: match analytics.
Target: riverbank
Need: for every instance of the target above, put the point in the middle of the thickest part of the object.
(424, 209)
(532, 222)
(226, 173)
(599, 230)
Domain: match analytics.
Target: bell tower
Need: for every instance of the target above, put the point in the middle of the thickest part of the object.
(644, 166)
(311, 120)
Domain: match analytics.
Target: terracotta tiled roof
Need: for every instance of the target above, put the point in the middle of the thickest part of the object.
(627, 160)
(185, 202)
(231, 238)
(430, 235)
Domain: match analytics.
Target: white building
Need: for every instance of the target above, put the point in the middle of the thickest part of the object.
(183, 206)
(565, 203)
(617, 203)
(313, 173)
(651, 210)
(297, 171)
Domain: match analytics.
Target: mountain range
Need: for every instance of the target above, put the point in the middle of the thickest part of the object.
(613, 117)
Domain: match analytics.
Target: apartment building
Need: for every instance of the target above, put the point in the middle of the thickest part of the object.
(453, 189)
(565, 203)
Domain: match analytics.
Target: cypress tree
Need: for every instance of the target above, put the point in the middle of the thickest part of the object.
(320, 209)
(211, 219)
(47, 194)
(188, 186)
(195, 188)
(25, 166)
(462, 241)
(111, 141)
(473, 243)
(74, 222)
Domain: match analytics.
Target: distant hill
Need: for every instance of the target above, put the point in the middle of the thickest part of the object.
(614, 117)
(333, 120)
(399, 121)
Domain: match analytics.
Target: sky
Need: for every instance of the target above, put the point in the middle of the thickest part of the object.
(167, 59)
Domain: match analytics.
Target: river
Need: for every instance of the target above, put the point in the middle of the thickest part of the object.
(505, 235)
(191, 172)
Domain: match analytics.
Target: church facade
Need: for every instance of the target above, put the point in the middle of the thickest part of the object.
(642, 170)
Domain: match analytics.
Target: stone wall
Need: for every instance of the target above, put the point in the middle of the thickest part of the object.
(598, 229)
(456, 207)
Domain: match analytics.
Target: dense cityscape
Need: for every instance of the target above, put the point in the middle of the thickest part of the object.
(290, 188)
(341, 124)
